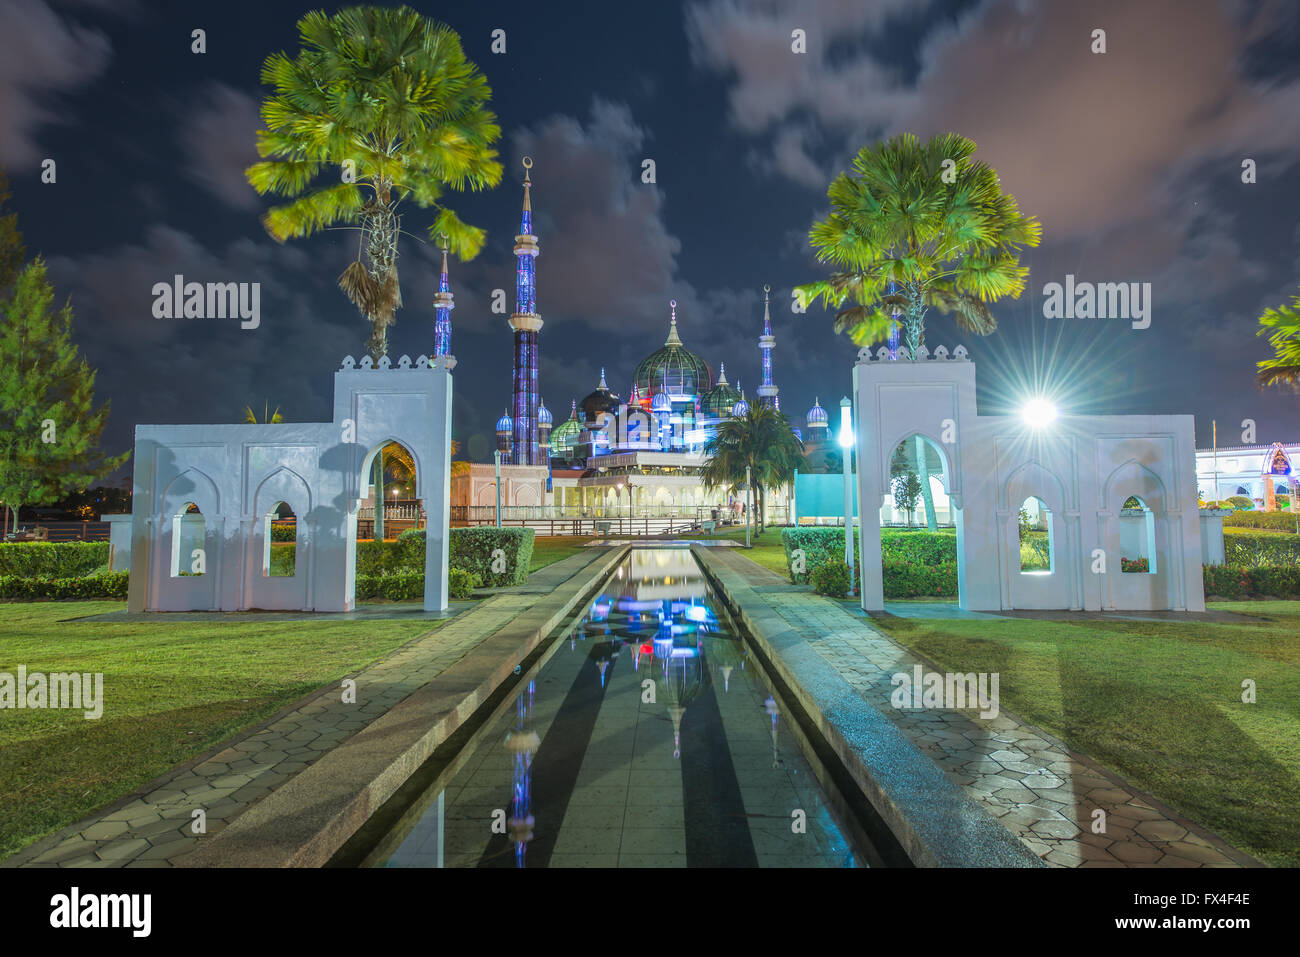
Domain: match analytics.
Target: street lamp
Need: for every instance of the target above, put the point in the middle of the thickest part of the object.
(749, 508)
(497, 456)
(846, 443)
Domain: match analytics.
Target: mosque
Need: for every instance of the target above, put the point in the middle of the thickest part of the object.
(651, 443)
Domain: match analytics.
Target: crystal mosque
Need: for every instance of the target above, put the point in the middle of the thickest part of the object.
(651, 443)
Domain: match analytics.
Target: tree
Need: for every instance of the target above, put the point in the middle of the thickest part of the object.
(907, 489)
(915, 226)
(385, 103)
(50, 446)
(760, 440)
(273, 418)
(1282, 326)
(12, 250)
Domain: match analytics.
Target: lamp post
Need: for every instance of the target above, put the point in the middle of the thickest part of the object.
(749, 507)
(846, 443)
(497, 457)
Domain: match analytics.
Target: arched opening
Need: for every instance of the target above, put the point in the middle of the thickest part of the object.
(389, 506)
(1037, 553)
(189, 542)
(1137, 536)
(917, 492)
(280, 542)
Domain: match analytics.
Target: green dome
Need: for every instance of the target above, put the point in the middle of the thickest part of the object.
(673, 369)
(565, 435)
(718, 402)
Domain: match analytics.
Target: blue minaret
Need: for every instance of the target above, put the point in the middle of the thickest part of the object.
(526, 324)
(767, 392)
(443, 304)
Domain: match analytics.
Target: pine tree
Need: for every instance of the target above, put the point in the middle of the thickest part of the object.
(12, 251)
(49, 426)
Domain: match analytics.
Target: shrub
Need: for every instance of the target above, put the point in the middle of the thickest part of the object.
(399, 586)
(1236, 581)
(107, 585)
(460, 583)
(286, 532)
(1241, 502)
(1276, 521)
(1134, 565)
(923, 548)
(378, 558)
(831, 578)
(819, 545)
(1256, 547)
(53, 559)
(472, 549)
(913, 580)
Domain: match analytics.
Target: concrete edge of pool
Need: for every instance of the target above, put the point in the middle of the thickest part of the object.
(308, 818)
(936, 824)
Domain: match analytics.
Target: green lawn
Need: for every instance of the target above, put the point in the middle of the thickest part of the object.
(171, 692)
(1158, 703)
(552, 548)
(767, 549)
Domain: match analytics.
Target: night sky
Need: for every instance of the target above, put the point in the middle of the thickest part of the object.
(1131, 159)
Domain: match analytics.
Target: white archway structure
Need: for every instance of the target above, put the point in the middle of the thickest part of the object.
(1083, 468)
(236, 474)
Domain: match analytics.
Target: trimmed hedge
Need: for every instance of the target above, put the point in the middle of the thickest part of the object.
(409, 586)
(1277, 521)
(472, 549)
(1235, 581)
(1255, 547)
(819, 545)
(107, 585)
(831, 578)
(911, 580)
(922, 548)
(52, 559)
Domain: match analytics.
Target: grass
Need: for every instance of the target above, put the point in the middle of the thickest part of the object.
(171, 692)
(548, 549)
(767, 549)
(1160, 704)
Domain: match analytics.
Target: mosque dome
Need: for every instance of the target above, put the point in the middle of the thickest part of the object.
(505, 424)
(817, 415)
(718, 402)
(661, 403)
(740, 409)
(565, 435)
(543, 414)
(602, 400)
(673, 369)
(798, 434)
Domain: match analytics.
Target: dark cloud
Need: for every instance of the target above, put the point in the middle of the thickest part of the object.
(219, 138)
(42, 55)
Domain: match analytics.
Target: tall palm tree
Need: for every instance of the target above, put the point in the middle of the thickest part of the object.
(1282, 326)
(380, 105)
(760, 440)
(906, 239)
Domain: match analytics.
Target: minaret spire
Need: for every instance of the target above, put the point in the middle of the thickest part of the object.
(526, 324)
(443, 304)
(767, 392)
(673, 338)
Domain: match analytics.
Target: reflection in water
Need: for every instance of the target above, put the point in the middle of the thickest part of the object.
(522, 742)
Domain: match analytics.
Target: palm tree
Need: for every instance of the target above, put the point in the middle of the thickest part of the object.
(760, 440)
(273, 418)
(907, 239)
(1282, 326)
(379, 106)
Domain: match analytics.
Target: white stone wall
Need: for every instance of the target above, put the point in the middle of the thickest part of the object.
(1082, 467)
(236, 474)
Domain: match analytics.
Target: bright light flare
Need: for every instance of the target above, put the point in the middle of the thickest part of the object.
(1039, 412)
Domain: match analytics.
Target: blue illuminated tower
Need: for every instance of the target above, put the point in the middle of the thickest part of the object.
(443, 304)
(526, 324)
(767, 392)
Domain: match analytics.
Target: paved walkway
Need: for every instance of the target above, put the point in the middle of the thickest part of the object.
(153, 826)
(1041, 791)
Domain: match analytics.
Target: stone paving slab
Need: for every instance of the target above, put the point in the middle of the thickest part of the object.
(1037, 788)
(153, 826)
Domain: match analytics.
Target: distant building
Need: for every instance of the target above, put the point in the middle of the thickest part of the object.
(1258, 472)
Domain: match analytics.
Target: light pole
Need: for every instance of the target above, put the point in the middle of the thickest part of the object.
(497, 457)
(846, 443)
(749, 506)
